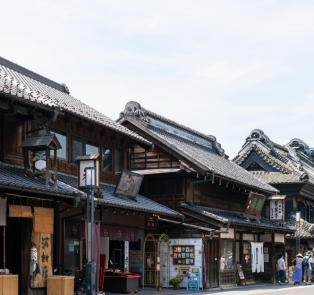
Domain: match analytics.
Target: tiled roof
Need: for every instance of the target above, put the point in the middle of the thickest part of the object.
(294, 162)
(13, 176)
(32, 90)
(236, 219)
(140, 204)
(306, 228)
(205, 155)
(274, 178)
(213, 161)
(166, 120)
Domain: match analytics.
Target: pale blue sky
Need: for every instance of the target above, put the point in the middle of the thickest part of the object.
(220, 67)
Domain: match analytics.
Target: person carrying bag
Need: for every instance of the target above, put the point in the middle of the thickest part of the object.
(307, 268)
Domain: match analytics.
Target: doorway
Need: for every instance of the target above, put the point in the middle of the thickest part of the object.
(212, 263)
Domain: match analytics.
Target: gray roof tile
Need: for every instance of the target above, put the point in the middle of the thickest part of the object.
(141, 203)
(16, 84)
(236, 219)
(213, 161)
(13, 176)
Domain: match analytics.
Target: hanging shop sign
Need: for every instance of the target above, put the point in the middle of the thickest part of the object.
(129, 184)
(277, 207)
(254, 204)
(43, 220)
(20, 211)
(43, 244)
(150, 221)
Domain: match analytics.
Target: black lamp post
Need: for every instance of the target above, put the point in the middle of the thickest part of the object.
(89, 179)
(90, 184)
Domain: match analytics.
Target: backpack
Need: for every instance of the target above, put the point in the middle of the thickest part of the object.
(305, 263)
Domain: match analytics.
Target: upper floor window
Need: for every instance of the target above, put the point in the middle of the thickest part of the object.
(119, 161)
(81, 147)
(107, 159)
(62, 137)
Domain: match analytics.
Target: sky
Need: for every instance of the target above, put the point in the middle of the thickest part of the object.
(223, 68)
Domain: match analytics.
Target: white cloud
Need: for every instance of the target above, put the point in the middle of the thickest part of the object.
(221, 67)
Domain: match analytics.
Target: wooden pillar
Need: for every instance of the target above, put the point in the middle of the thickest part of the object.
(273, 258)
(55, 167)
(34, 169)
(2, 131)
(234, 253)
(242, 259)
(47, 166)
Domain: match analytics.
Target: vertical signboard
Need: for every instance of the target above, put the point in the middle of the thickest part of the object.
(43, 244)
(277, 208)
(126, 256)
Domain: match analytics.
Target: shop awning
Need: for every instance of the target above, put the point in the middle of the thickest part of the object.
(188, 225)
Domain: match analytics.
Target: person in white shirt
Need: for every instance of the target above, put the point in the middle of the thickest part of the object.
(282, 273)
(307, 267)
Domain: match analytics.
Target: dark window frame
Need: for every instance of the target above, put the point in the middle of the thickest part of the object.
(66, 133)
(86, 141)
(112, 158)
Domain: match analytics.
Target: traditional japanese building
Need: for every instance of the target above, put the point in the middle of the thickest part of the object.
(290, 169)
(190, 172)
(43, 129)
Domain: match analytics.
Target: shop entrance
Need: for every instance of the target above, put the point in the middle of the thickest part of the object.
(212, 263)
(116, 255)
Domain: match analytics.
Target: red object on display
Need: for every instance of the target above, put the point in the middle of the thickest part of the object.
(103, 258)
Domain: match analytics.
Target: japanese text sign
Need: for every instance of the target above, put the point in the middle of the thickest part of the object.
(150, 221)
(254, 204)
(277, 210)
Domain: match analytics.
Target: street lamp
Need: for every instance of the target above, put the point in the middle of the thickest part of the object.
(89, 179)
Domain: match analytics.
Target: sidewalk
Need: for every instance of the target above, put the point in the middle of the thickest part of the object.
(262, 288)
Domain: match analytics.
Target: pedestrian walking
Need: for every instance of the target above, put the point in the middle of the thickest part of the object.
(297, 273)
(307, 267)
(281, 265)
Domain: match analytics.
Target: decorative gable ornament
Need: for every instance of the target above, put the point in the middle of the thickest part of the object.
(133, 108)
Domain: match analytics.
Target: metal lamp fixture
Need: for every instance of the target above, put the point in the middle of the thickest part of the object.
(90, 177)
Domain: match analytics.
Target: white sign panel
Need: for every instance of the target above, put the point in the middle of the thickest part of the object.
(276, 210)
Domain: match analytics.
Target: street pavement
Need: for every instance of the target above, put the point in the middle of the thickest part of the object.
(260, 290)
(268, 289)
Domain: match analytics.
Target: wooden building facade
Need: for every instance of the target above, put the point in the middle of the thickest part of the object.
(190, 172)
(32, 106)
(290, 169)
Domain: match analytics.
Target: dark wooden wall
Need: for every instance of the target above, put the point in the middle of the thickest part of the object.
(142, 159)
(13, 131)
